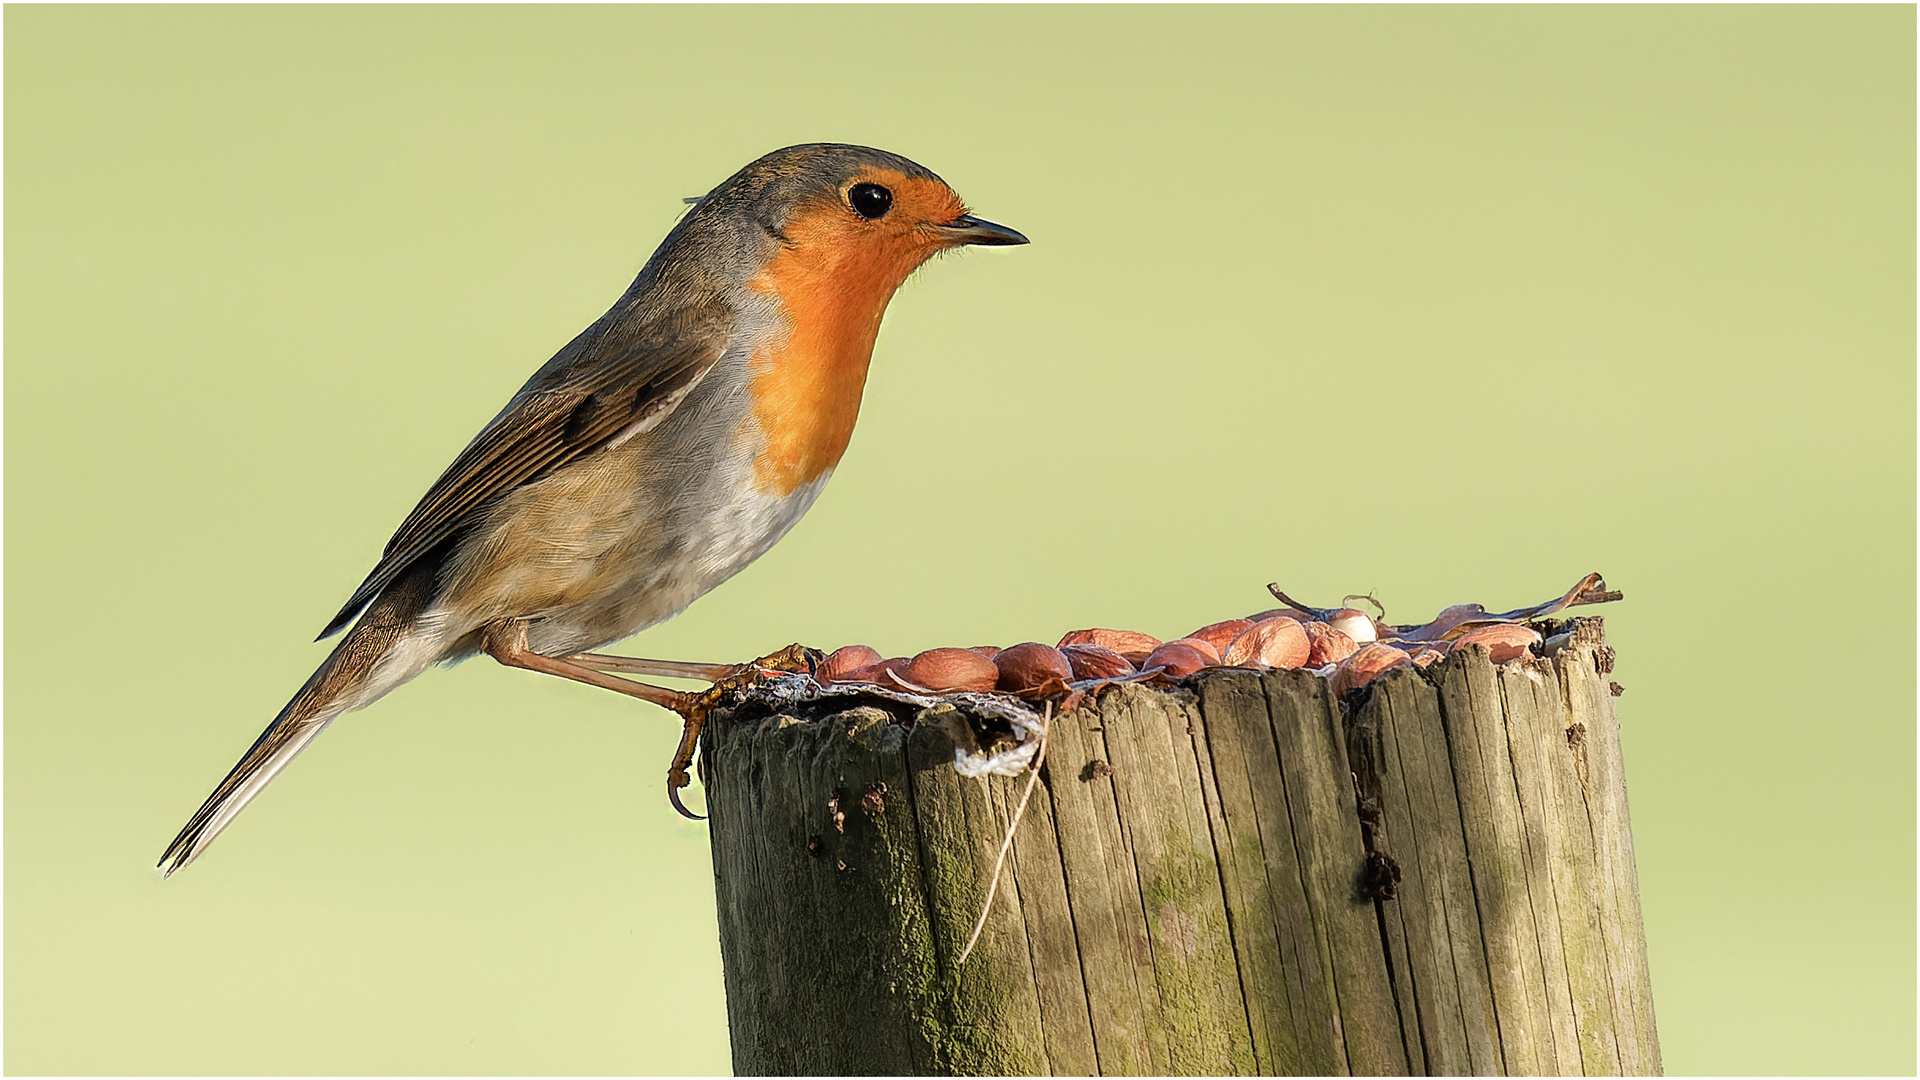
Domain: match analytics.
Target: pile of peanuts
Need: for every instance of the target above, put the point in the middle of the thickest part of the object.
(1345, 645)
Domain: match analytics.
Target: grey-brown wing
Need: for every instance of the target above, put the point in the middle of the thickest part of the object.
(574, 406)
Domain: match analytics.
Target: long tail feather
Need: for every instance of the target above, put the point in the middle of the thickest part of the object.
(353, 676)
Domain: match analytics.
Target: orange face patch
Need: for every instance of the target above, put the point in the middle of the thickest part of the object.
(834, 280)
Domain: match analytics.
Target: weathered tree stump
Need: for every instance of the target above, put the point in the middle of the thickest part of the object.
(1243, 875)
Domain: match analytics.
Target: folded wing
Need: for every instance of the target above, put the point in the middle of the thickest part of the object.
(615, 387)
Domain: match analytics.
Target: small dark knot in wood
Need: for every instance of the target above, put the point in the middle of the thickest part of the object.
(1381, 877)
(1436, 880)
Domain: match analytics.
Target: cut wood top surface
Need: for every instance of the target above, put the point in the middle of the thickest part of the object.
(1236, 871)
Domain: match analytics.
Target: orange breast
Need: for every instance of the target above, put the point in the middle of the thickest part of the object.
(833, 283)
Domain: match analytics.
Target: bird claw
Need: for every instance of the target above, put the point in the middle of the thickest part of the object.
(795, 659)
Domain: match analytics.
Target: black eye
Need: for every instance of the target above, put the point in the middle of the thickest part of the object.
(870, 201)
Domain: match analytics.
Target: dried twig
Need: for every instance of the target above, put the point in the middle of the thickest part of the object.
(1369, 598)
(1588, 590)
(1323, 614)
(993, 884)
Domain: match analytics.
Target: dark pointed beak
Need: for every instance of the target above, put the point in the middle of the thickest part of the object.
(968, 229)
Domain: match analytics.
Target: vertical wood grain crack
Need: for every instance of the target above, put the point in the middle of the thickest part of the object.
(1073, 916)
(1026, 927)
(1447, 736)
(1210, 796)
(938, 1062)
(1295, 820)
(1547, 918)
(1564, 672)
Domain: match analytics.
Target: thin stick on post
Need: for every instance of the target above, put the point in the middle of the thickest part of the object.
(1039, 756)
(1242, 875)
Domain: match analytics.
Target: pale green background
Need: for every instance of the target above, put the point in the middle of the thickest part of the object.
(1448, 304)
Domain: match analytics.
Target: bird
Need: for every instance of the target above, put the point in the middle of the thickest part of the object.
(663, 449)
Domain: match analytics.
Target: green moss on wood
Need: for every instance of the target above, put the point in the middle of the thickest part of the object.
(1195, 908)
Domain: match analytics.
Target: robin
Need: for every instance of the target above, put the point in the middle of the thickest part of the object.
(662, 450)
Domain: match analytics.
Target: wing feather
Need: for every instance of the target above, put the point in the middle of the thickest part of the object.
(607, 393)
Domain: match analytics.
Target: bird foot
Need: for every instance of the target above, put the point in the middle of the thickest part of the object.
(794, 659)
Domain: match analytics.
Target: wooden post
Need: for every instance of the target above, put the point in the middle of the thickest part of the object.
(1242, 875)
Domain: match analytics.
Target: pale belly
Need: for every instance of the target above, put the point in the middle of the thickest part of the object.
(622, 539)
(608, 548)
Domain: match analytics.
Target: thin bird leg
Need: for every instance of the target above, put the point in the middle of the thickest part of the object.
(677, 669)
(794, 658)
(507, 643)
